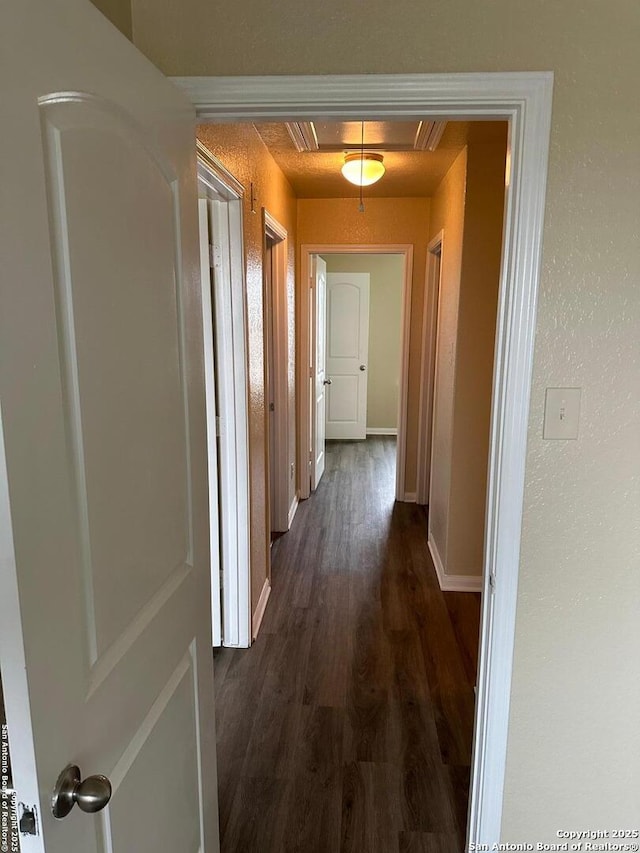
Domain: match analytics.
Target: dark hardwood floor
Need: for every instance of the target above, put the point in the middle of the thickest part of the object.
(347, 727)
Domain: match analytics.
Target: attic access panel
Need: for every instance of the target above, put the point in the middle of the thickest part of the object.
(331, 136)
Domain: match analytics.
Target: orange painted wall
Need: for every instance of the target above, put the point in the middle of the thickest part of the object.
(241, 150)
(447, 217)
(385, 220)
(475, 344)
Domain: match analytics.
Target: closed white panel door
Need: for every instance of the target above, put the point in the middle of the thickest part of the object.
(347, 352)
(105, 613)
(319, 370)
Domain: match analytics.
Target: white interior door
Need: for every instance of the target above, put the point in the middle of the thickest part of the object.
(347, 353)
(318, 370)
(105, 614)
(212, 423)
(231, 389)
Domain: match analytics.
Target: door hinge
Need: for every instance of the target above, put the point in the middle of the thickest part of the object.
(221, 578)
(218, 426)
(28, 819)
(492, 581)
(272, 407)
(311, 373)
(214, 257)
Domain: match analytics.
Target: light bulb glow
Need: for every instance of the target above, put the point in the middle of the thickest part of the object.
(363, 169)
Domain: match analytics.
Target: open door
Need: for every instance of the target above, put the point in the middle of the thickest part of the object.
(212, 423)
(105, 615)
(318, 365)
(227, 288)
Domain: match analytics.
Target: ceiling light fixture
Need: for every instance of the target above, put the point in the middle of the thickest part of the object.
(363, 168)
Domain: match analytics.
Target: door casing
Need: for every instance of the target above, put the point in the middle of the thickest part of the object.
(215, 182)
(428, 366)
(524, 99)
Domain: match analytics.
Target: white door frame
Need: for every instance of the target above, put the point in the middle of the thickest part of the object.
(277, 314)
(303, 329)
(523, 99)
(215, 181)
(428, 365)
(212, 417)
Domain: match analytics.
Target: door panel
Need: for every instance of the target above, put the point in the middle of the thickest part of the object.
(126, 476)
(105, 620)
(347, 353)
(162, 749)
(343, 400)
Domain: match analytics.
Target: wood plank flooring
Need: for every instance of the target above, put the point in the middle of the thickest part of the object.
(347, 727)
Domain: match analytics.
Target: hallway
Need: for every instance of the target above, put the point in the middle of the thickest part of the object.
(347, 726)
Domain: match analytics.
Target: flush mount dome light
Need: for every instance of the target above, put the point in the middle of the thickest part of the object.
(363, 168)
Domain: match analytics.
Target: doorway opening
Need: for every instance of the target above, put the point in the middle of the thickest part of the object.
(378, 352)
(524, 101)
(360, 350)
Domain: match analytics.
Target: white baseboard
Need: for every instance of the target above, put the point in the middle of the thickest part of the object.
(409, 498)
(292, 511)
(382, 430)
(260, 608)
(452, 583)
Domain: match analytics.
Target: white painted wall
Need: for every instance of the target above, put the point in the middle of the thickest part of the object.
(475, 344)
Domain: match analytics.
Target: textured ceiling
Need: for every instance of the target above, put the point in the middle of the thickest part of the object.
(316, 174)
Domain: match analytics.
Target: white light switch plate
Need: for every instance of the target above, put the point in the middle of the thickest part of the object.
(561, 413)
